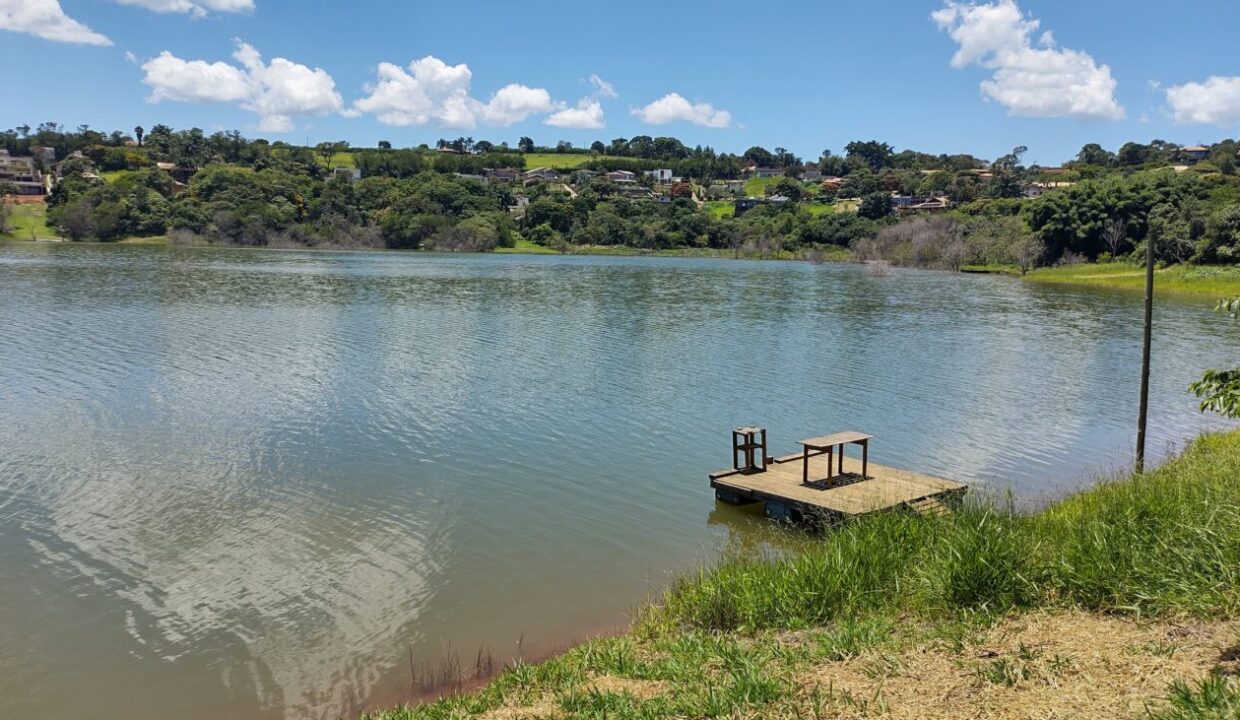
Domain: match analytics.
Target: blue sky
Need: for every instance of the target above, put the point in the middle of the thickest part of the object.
(805, 76)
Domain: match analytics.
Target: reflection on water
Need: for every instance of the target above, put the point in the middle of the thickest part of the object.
(252, 483)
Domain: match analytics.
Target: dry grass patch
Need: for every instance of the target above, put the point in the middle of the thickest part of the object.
(1038, 665)
(640, 689)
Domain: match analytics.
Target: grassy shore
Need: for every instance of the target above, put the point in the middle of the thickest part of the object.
(26, 221)
(1120, 601)
(1210, 281)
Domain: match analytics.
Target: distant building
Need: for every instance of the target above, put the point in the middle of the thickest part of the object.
(43, 154)
(621, 176)
(633, 191)
(919, 203)
(1195, 153)
(497, 175)
(580, 177)
(811, 173)
(21, 173)
(353, 174)
(746, 203)
(662, 176)
(541, 174)
(766, 172)
(521, 202)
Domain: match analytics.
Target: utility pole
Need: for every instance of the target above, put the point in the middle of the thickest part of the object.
(1145, 351)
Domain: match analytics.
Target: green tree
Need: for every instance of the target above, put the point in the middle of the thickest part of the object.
(525, 144)
(875, 154)
(1219, 390)
(874, 206)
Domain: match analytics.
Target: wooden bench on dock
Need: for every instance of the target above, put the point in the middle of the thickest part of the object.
(851, 487)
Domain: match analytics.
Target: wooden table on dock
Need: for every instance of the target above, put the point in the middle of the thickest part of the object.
(825, 445)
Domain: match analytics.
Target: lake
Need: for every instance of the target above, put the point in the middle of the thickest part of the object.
(255, 484)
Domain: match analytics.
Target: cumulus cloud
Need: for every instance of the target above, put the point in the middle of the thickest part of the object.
(602, 88)
(431, 90)
(514, 103)
(47, 20)
(587, 115)
(674, 108)
(277, 91)
(1215, 101)
(197, 8)
(1044, 81)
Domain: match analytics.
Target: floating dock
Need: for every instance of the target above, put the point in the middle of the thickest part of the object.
(836, 488)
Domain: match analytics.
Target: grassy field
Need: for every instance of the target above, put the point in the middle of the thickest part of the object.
(27, 218)
(1209, 281)
(526, 247)
(341, 159)
(757, 186)
(556, 161)
(721, 208)
(1120, 601)
(817, 209)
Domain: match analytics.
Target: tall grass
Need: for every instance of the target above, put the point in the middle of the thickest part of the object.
(1165, 542)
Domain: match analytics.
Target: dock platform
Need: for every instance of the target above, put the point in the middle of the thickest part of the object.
(847, 494)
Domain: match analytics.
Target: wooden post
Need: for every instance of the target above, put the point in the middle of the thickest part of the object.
(805, 464)
(865, 457)
(1145, 352)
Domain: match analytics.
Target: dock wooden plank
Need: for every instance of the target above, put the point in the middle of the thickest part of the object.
(885, 488)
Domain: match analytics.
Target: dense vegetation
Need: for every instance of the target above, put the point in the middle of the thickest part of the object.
(736, 639)
(229, 189)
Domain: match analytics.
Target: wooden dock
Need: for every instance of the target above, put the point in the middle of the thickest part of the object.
(780, 485)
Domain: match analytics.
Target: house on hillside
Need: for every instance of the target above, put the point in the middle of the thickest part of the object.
(765, 172)
(831, 183)
(903, 204)
(583, 176)
(44, 155)
(622, 176)
(520, 203)
(811, 173)
(746, 203)
(662, 176)
(1038, 189)
(1194, 153)
(352, 174)
(21, 173)
(633, 191)
(541, 174)
(501, 175)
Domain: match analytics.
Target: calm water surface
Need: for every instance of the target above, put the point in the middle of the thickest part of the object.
(249, 484)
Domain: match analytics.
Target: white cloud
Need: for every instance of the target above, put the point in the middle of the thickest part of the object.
(674, 108)
(276, 91)
(197, 8)
(1029, 81)
(514, 103)
(602, 87)
(1215, 101)
(47, 20)
(588, 115)
(434, 91)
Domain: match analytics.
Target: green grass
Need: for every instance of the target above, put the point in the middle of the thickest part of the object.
(111, 176)
(26, 218)
(1210, 281)
(341, 159)
(721, 208)
(560, 161)
(818, 209)
(757, 186)
(732, 639)
(1167, 542)
(526, 247)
